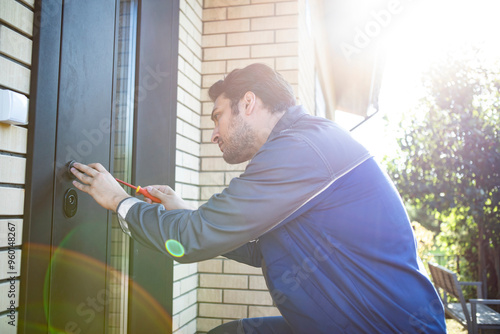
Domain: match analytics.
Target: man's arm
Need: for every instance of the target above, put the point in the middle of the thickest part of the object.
(279, 180)
(282, 177)
(249, 253)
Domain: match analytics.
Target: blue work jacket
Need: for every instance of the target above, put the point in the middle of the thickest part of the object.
(324, 222)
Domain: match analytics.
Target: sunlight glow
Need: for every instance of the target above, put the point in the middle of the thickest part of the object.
(425, 32)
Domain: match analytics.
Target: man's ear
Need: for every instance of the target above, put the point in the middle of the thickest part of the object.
(249, 100)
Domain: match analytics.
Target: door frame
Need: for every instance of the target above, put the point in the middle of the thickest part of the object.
(154, 144)
(155, 113)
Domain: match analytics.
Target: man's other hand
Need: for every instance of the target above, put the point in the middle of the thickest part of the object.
(168, 197)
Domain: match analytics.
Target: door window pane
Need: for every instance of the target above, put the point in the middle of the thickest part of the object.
(125, 50)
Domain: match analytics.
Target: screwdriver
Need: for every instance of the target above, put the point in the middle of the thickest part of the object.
(140, 190)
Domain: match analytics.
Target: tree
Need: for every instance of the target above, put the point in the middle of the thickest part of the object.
(448, 167)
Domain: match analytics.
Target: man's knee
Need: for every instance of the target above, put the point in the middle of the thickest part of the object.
(233, 327)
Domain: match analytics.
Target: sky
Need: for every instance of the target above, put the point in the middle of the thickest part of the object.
(426, 31)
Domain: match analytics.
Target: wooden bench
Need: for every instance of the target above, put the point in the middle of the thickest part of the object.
(474, 315)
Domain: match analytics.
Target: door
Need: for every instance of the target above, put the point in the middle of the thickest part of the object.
(75, 283)
(79, 272)
(68, 242)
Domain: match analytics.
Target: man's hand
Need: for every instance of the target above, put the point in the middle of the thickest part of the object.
(100, 184)
(168, 197)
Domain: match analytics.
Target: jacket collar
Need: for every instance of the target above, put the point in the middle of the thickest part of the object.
(292, 115)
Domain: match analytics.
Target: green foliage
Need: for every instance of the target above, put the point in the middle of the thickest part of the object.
(425, 242)
(448, 167)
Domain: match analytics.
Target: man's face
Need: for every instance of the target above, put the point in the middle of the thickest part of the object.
(232, 133)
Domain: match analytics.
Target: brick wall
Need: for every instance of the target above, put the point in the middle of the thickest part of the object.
(235, 34)
(16, 29)
(185, 308)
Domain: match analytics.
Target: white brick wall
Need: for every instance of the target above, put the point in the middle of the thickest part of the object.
(16, 28)
(187, 172)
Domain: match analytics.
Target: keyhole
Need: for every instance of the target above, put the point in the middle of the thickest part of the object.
(70, 202)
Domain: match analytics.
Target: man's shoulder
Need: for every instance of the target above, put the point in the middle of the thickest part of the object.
(323, 138)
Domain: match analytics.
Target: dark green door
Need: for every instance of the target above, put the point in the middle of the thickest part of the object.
(91, 60)
(75, 287)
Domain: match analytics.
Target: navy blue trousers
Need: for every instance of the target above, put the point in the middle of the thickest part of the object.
(264, 325)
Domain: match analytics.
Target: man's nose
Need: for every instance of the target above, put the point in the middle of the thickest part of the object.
(215, 136)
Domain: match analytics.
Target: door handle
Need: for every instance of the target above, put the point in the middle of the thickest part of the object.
(70, 165)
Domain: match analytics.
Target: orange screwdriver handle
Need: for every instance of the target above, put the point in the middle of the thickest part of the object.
(145, 193)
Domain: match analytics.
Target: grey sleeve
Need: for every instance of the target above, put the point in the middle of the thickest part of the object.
(283, 176)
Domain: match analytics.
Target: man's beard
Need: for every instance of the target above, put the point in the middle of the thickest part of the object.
(241, 141)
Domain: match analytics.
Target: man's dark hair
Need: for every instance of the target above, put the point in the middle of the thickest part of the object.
(276, 94)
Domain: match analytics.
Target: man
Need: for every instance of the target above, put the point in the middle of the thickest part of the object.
(312, 208)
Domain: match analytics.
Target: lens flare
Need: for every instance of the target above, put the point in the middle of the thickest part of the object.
(174, 248)
(72, 307)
